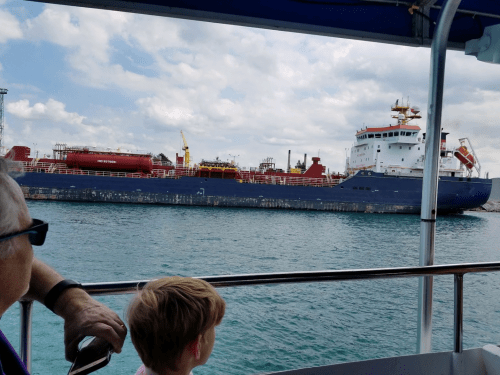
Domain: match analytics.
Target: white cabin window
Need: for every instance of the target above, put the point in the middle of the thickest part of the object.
(419, 148)
(378, 146)
(389, 146)
(403, 159)
(400, 147)
(409, 148)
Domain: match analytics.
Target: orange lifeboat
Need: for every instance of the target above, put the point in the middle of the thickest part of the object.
(465, 157)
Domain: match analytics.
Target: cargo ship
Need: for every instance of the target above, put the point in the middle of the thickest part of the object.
(383, 175)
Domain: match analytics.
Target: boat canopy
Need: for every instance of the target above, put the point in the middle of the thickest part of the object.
(389, 21)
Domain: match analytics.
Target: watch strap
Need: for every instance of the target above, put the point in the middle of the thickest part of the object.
(56, 291)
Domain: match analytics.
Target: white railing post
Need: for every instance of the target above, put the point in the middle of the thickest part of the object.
(431, 172)
(25, 336)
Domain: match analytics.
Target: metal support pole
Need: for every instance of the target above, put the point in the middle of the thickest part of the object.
(459, 313)
(2, 125)
(25, 338)
(431, 172)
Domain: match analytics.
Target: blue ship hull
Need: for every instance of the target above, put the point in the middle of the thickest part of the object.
(364, 192)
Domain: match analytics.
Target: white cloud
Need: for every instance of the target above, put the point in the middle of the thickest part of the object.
(9, 27)
(87, 32)
(52, 110)
(163, 113)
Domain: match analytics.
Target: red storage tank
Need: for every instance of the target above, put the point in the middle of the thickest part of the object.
(110, 162)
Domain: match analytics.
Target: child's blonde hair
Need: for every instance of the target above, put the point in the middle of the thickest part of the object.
(168, 314)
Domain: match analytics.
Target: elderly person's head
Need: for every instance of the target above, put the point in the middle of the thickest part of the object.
(16, 253)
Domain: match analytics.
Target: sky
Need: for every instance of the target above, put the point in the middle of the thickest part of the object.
(118, 80)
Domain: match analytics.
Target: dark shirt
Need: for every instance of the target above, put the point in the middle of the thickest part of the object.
(10, 363)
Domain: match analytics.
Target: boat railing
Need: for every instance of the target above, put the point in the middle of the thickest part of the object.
(124, 287)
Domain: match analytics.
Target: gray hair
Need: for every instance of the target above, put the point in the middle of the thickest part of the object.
(10, 209)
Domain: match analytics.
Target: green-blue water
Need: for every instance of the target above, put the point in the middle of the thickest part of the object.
(271, 328)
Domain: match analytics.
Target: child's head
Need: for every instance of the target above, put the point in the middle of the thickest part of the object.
(170, 314)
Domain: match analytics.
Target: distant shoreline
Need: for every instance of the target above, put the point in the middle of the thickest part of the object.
(490, 206)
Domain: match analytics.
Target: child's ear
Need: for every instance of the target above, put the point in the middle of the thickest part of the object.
(195, 347)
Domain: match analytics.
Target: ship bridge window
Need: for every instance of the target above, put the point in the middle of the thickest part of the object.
(396, 134)
(384, 135)
(370, 135)
(377, 135)
(391, 134)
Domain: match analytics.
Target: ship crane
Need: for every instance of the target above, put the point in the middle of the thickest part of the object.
(186, 151)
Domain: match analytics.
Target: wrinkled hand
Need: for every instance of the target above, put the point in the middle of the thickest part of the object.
(84, 316)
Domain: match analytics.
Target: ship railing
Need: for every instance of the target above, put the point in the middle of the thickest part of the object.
(160, 173)
(162, 163)
(293, 181)
(126, 287)
(185, 172)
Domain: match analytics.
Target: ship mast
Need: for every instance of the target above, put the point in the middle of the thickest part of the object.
(405, 112)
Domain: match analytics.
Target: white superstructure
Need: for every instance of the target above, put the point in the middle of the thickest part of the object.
(400, 149)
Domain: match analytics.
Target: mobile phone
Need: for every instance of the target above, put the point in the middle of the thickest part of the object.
(94, 354)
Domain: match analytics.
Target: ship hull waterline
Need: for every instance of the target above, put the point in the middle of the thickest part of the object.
(368, 192)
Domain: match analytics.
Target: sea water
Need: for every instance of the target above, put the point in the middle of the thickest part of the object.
(271, 327)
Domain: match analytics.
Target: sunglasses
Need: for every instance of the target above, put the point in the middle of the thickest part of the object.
(37, 232)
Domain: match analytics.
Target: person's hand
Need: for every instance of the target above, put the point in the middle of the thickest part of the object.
(84, 316)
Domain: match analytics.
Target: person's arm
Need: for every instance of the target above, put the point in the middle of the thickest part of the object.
(83, 315)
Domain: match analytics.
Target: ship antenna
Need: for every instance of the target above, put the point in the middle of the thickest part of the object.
(2, 93)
